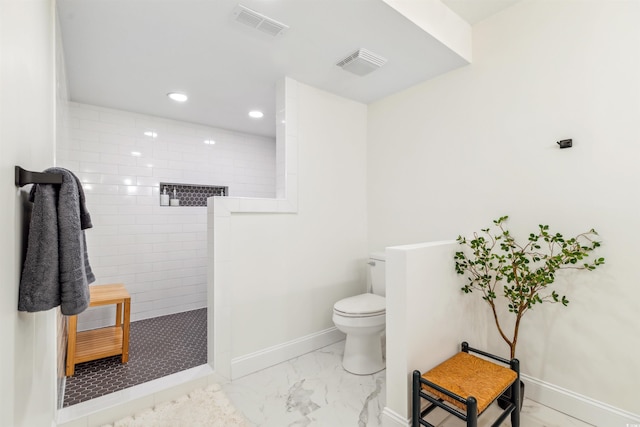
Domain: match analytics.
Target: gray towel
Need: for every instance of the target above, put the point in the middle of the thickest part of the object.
(56, 269)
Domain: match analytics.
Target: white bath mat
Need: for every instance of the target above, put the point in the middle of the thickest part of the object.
(207, 407)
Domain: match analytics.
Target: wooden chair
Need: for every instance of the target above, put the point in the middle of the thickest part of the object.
(104, 342)
(465, 385)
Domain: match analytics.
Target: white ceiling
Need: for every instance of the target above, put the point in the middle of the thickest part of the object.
(474, 11)
(128, 54)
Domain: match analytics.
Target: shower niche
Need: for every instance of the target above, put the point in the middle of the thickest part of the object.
(189, 194)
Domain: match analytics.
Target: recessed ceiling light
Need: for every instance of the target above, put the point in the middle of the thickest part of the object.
(177, 96)
(256, 114)
(151, 134)
(209, 142)
(136, 153)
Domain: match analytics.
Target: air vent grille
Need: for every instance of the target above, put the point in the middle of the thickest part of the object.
(256, 20)
(362, 62)
(248, 17)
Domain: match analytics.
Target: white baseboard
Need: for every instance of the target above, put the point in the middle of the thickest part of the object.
(576, 405)
(253, 362)
(391, 418)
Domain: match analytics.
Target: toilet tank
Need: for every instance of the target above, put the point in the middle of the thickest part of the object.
(377, 273)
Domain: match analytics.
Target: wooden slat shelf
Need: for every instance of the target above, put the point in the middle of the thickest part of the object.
(98, 343)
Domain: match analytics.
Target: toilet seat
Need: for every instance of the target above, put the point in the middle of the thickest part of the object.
(364, 305)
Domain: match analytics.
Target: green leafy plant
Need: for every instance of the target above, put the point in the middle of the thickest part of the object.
(498, 266)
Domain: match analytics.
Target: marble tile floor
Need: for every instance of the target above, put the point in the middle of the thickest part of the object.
(313, 390)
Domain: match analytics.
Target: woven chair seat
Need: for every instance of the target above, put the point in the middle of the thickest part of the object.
(467, 375)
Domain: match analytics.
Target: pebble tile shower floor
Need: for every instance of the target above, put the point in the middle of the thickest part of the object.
(158, 347)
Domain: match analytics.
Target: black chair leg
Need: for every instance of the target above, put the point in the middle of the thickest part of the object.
(415, 393)
(472, 412)
(515, 394)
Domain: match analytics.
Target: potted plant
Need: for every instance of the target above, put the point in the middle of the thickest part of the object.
(520, 275)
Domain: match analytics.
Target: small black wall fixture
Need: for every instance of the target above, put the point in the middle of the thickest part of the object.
(565, 143)
(24, 177)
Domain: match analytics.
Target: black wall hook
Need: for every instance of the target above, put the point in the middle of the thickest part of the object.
(565, 143)
(24, 177)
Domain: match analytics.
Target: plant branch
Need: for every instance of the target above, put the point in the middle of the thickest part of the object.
(496, 319)
(525, 271)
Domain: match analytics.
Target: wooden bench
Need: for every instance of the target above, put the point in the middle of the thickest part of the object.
(104, 342)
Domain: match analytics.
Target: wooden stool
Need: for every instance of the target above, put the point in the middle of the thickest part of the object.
(104, 342)
(465, 385)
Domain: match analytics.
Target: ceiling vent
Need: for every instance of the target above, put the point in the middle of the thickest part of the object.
(362, 62)
(256, 20)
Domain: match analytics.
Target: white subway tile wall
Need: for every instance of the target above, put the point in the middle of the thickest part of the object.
(158, 252)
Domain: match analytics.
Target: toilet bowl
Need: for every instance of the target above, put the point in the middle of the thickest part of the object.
(363, 346)
(363, 318)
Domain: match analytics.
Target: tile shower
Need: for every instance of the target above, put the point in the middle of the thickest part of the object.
(159, 252)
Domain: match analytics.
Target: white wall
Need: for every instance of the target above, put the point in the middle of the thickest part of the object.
(158, 252)
(302, 264)
(427, 319)
(27, 136)
(450, 155)
(278, 274)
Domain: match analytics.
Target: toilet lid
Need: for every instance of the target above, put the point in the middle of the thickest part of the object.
(365, 304)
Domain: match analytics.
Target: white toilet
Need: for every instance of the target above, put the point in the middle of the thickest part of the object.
(362, 318)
